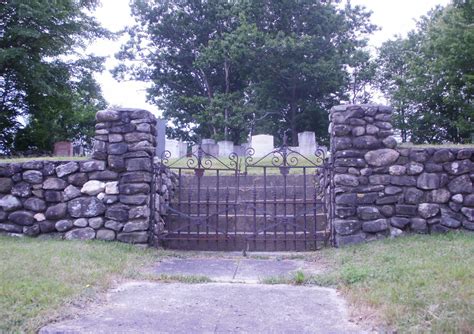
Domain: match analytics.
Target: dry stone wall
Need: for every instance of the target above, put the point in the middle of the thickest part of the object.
(382, 190)
(105, 198)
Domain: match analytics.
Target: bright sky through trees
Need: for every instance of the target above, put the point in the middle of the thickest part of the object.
(394, 17)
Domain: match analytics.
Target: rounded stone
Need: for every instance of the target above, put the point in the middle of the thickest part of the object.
(10, 203)
(57, 211)
(63, 225)
(86, 233)
(397, 170)
(53, 183)
(382, 157)
(428, 181)
(107, 235)
(93, 187)
(96, 222)
(81, 222)
(21, 189)
(23, 218)
(108, 115)
(86, 207)
(33, 176)
(390, 142)
(35, 204)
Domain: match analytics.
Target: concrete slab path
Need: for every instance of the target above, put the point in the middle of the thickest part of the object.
(219, 307)
(234, 269)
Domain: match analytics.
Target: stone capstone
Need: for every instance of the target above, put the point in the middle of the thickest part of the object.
(382, 157)
(108, 115)
(86, 207)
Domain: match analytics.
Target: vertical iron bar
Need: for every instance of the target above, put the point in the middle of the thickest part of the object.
(198, 209)
(254, 197)
(227, 218)
(265, 208)
(315, 214)
(180, 209)
(217, 209)
(275, 226)
(285, 212)
(305, 208)
(294, 215)
(188, 238)
(207, 217)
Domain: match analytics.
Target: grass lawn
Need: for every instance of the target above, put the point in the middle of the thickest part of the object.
(412, 284)
(39, 277)
(4, 160)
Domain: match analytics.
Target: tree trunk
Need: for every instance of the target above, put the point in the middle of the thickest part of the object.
(227, 90)
(293, 109)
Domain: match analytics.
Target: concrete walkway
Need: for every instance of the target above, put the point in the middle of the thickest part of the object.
(234, 304)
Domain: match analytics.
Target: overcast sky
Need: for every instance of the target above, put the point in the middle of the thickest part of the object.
(392, 16)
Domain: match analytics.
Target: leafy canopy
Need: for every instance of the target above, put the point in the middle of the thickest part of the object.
(222, 69)
(429, 76)
(48, 92)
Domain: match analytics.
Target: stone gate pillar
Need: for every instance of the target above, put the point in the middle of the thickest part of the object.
(362, 145)
(126, 140)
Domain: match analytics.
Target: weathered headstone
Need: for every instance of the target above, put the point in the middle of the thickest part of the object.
(160, 136)
(307, 143)
(173, 146)
(63, 149)
(262, 144)
(225, 148)
(210, 147)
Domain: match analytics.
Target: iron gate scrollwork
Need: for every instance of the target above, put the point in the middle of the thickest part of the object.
(277, 201)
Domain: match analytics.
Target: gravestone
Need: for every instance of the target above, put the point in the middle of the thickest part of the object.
(160, 136)
(307, 143)
(210, 147)
(225, 148)
(173, 146)
(63, 149)
(262, 144)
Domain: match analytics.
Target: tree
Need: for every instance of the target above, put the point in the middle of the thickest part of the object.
(47, 85)
(221, 65)
(428, 76)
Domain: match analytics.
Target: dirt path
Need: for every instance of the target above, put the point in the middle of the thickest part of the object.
(234, 302)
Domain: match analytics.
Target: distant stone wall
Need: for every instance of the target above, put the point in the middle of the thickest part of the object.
(106, 198)
(382, 190)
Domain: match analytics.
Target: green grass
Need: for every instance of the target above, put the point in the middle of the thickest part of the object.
(25, 159)
(40, 278)
(414, 284)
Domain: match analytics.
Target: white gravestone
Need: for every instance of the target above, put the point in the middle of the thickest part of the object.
(225, 148)
(210, 147)
(262, 144)
(173, 146)
(307, 143)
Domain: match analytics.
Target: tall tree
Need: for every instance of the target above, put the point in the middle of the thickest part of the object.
(48, 92)
(221, 66)
(428, 76)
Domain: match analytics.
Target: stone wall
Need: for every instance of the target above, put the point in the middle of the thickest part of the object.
(106, 198)
(381, 190)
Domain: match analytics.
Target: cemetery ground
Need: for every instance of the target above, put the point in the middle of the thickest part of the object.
(409, 284)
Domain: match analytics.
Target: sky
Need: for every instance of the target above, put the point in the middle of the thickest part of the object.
(394, 17)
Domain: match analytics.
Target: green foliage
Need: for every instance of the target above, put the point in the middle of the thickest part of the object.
(428, 76)
(48, 89)
(225, 68)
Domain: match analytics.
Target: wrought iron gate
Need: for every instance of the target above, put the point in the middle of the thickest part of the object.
(276, 202)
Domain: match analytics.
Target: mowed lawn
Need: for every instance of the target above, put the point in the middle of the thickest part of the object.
(410, 284)
(38, 278)
(421, 283)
